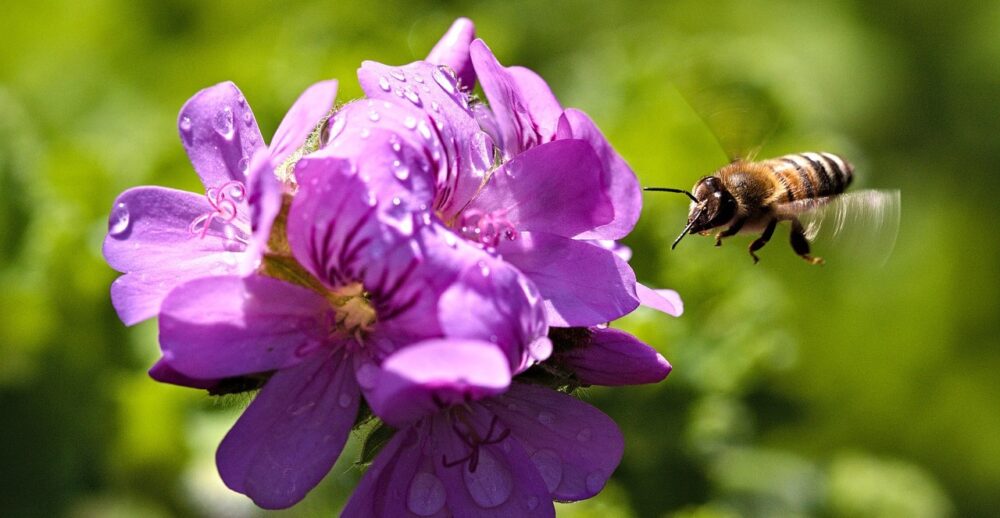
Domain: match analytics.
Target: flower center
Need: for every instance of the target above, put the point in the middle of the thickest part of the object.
(465, 429)
(354, 309)
(224, 201)
(486, 228)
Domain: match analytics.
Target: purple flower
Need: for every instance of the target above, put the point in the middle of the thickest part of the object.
(367, 273)
(531, 210)
(476, 450)
(160, 237)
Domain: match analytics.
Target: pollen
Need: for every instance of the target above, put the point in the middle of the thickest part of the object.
(354, 309)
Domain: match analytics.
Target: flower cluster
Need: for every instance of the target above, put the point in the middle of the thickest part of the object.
(440, 266)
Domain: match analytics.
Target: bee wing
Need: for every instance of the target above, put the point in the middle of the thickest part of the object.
(864, 222)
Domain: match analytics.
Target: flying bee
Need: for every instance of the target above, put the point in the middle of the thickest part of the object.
(747, 196)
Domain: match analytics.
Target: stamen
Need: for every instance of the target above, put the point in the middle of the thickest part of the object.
(223, 200)
(472, 439)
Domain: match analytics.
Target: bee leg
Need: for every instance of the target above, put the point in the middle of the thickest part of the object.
(731, 231)
(762, 240)
(800, 244)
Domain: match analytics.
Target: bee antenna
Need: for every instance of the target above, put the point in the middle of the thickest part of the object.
(667, 189)
(687, 229)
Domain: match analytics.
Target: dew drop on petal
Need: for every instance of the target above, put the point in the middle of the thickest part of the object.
(223, 122)
(365, 132)
(424, 130)
(367, 375)
(546, 418)
(584, 435)
(402, 172)
(550, 466)
(119, 221)
(383, 83)
(185, 124)
(595, 481)
(450, 239)
(247, 117)
(373, 116)
(410, 122)
(484, 268)
(300, 408)
(531, 502)
(491, 484)
(370, 199)
(418, 78)
(396, 201)
(345, 400)
(242, 165)
(426, 495)
(435, 106)
(443, 79)
(411, 96)
(397, 74)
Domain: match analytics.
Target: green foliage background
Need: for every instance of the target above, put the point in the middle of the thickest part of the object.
(846, 390)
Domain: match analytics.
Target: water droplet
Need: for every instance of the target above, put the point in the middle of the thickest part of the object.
(345, 400)
(299, 409)
(442, 76)
(397, 74)
(370, 199)
(450, 239)
(402, 172)
(484, 268)
(247, 117)
(367, 375)
(223, 122)
(410, 122)
(426, 495)
(435, 106)
(119, 221)
(242, 165)
(550, 466)
(240, 99)
(185, 124)
(383, 83)
(336, 127)
(418, 78)
(491, 484)
(373, 116)
(480, 148)
(595, 481)
(584, 435)
(424, 130)
(546, 418)
(365, 132)
(411, 96)
(398, 92)
(396, 146)
(531, 502)
(396, 201)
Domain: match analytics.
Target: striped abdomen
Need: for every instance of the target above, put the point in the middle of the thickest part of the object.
(811, 175)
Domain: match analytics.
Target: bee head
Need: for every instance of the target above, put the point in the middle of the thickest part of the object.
(714, 206)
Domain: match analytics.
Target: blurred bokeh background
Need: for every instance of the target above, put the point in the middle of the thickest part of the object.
(853, 389)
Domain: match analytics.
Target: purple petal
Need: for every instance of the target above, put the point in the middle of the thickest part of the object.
(216, 327)
(162, 371)
(453, 51)
(574, 446)
(400, 479)
(503, 481)
(220, 134)
(414, 382)
(612, 358)
(667, 301)
(583, 284)
(524, 107)
(302, 119)
(150, 239)
(493, 301)
(618, 180)
(554, 188)
(462, 151)
(290, 436)
(264, 197)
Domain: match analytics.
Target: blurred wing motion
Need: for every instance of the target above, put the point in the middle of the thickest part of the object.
(863, 223)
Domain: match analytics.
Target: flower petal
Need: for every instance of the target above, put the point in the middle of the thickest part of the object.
(290, 436)
(612, 358)
(583, 284)
(220, 134)
(667, 301)
(554, 188)
(573, 445)
(162, 371)
(414, 382)
(264, 198)
(617, 179)
(526, 111)
(302, 119)
(150, 239)
(217, 327)
(463, 153)
(453, 51)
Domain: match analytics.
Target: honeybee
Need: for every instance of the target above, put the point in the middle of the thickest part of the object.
(753, 196)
